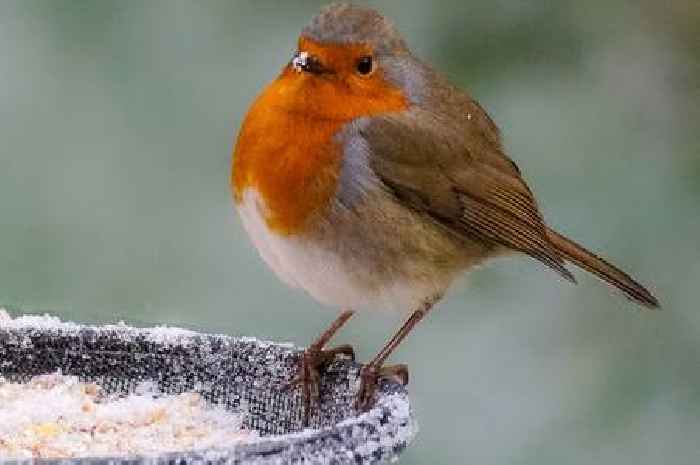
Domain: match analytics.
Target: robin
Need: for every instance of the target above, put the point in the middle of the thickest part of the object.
(365, 178)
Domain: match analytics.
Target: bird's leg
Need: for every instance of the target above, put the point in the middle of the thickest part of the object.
(375, 369)
(315, 357)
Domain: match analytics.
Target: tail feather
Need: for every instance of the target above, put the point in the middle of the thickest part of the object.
(588, 261)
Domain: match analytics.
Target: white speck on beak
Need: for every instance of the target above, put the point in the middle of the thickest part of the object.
(299, 61)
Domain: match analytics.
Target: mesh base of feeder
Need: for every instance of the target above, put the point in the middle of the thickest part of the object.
(226, 371)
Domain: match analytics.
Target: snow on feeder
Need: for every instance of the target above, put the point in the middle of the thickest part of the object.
(228, 381)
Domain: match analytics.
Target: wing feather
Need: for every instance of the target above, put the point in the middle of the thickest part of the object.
(440, 169)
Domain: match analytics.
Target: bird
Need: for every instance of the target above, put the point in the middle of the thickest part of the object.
(367, 179)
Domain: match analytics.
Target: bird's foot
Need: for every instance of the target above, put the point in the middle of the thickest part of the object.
(369, 380)
(308, 375)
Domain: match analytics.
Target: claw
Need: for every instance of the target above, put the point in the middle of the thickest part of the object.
(345, 349)
(309, 376)
(369, 380)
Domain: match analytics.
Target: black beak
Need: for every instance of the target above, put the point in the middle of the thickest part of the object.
(304, 62)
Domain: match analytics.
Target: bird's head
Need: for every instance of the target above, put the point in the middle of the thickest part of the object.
(350, 62)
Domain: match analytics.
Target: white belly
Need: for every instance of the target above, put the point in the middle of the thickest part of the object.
(321, 273)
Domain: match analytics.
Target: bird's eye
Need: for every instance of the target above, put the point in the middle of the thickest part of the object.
(365, 65)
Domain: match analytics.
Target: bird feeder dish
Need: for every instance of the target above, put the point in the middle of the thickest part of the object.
(226, 371)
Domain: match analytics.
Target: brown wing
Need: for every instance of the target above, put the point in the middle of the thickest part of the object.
(460, 177)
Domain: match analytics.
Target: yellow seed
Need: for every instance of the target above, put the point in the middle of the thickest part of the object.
(88, 407)
(48, 429)
(157, 415)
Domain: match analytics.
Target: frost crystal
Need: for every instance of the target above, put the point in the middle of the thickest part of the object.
(299, 61)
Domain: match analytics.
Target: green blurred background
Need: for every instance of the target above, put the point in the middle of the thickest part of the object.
(117, 121)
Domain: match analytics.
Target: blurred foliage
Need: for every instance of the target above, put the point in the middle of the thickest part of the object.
(118, 118)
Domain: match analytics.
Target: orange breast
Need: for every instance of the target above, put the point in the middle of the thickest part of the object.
(286, 151)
